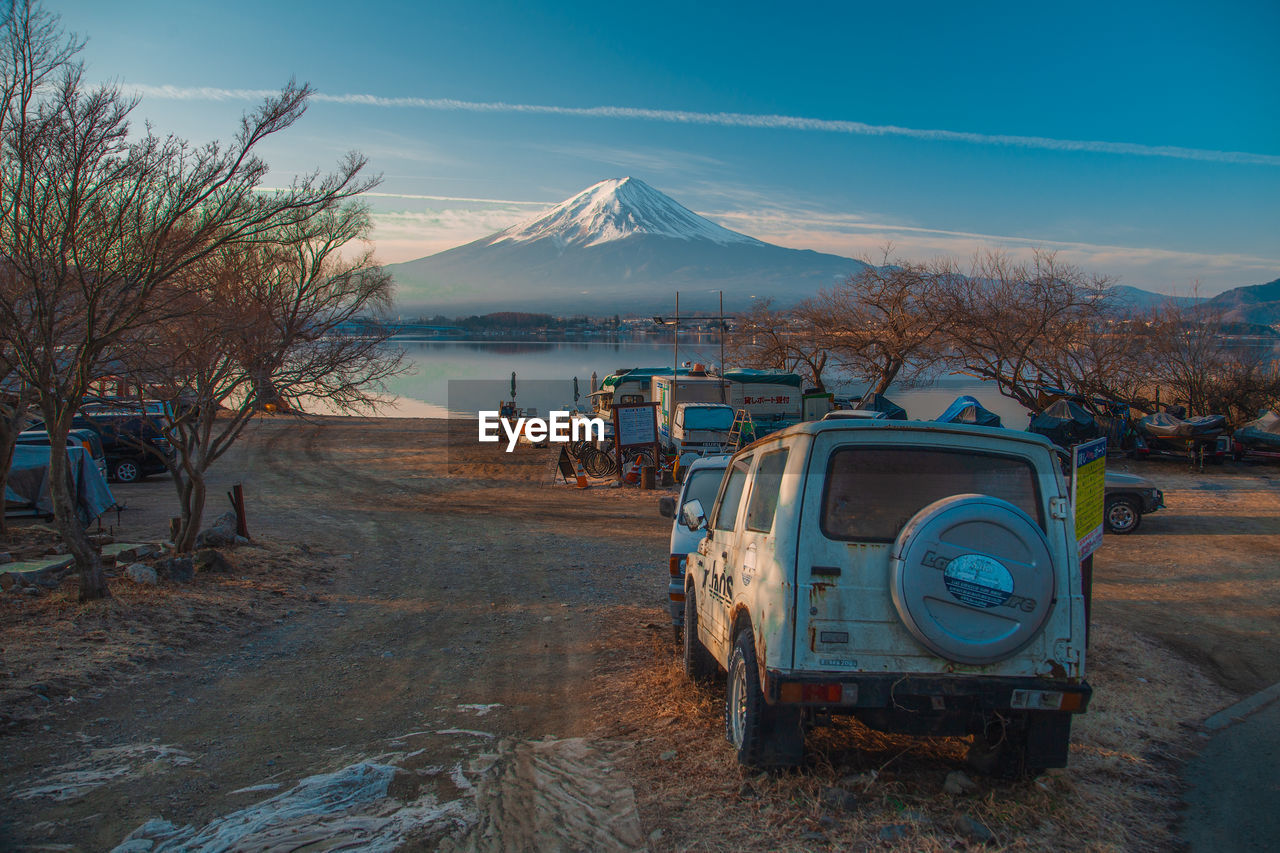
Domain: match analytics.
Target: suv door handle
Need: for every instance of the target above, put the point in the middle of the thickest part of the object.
(724, 555)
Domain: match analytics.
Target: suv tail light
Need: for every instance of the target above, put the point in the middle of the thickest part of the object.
(833, 693)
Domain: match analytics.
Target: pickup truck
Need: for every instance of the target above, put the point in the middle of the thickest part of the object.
(920, 577)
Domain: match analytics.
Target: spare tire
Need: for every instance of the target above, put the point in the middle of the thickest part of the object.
(972, 578)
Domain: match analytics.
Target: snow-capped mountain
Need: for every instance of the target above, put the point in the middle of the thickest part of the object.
(615, 210)
(616, 247)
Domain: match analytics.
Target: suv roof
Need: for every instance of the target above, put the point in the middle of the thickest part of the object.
(922, 427)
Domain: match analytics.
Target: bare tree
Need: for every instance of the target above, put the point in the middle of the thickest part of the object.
(15, 401)
(266, 323)
(1196, 362)
(95, 226)
(1108, 356)
(33, 51)
(770, 338)
(881, 324)
(1009, 322)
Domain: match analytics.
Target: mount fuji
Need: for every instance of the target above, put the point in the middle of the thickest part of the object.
(619, 246)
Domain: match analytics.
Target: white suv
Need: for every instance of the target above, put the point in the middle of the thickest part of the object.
(921, 577)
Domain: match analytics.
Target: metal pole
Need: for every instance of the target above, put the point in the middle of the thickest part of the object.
(722, 399)
(675, 365)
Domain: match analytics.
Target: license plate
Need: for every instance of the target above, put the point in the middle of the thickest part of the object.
(1036, 700)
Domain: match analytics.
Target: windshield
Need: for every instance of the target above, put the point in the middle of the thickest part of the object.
(708, 418)
(702, 486)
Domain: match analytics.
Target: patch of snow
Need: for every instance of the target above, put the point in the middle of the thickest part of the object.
(480, 710)
(101, 766)
(346, 810)
(254, 789)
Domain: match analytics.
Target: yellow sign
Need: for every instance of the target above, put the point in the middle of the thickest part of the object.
(1088, 493)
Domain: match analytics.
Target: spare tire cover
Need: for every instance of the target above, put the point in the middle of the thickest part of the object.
(972, 578)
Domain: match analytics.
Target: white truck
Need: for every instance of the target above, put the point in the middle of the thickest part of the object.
(921, 577)
(671, 392)
(700, 429)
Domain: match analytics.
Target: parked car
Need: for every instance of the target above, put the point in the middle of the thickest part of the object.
(701, 482)
(921, 577)
(1128, 498)
(132, 443)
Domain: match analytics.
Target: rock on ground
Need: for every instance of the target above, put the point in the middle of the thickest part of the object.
(142, 573)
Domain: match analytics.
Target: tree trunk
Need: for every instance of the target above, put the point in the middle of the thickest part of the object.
(192, 499)
(8, 438)
(891, 371)
(93, 583)
(11, 419)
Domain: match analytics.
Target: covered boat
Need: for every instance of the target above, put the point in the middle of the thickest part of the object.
(26, 492)
(1261, 434)
(1066, 423)
(880, 403)
(967, 410)
(1165, 425)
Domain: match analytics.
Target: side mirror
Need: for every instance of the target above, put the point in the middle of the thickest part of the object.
(667, 507)
(692, 515)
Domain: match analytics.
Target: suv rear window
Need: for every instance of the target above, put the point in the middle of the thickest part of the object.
(872, 492)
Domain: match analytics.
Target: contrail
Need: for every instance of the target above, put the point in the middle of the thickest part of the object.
(781, 122)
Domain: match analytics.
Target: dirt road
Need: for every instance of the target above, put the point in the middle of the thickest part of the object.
(468, 607)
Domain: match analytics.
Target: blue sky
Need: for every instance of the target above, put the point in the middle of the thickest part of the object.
(1141, 142)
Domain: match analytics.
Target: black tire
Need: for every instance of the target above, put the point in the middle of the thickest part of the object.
(699, 665)
(126, 471)
(597, 463)
(763, 736)
(1122, 515)
(644, 457)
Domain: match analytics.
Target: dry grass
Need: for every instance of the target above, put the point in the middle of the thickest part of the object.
(55, 651)
(1120, 792)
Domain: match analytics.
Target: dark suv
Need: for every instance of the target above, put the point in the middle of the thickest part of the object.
(131, 439)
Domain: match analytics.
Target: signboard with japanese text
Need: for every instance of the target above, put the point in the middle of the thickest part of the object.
(636, 424)
(1088, 493)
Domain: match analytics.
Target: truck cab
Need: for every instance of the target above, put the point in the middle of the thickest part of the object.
(700, 429)
(921, 577)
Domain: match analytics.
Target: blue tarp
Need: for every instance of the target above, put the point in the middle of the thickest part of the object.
(638, 374)
(880, 403)
(1066, 423)
(771, 377)
(967, 410)
(27, 488)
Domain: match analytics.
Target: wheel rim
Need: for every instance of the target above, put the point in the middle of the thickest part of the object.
(126, 472)
(738, 701)
(1121, 516)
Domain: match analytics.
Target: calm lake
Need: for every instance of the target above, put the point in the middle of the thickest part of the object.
(478, 373)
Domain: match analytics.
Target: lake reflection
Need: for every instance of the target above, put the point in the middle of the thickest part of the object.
(481, 370)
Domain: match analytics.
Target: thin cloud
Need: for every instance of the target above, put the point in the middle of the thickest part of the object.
(829, 230)
(780, 122)
(498, 201)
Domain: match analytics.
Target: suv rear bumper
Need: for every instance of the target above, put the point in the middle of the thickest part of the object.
(926, 693)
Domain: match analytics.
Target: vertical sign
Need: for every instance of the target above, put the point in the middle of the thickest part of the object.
(1088, 493)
